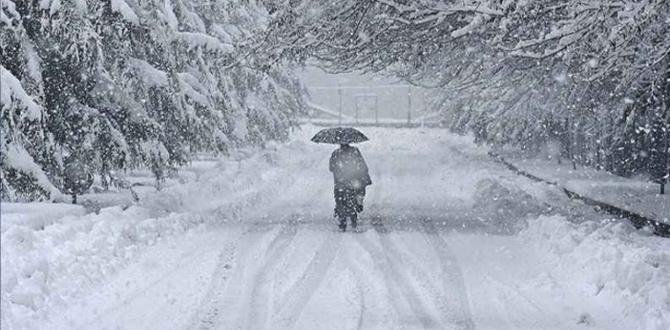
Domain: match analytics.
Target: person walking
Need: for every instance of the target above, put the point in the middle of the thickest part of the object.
(350, 173)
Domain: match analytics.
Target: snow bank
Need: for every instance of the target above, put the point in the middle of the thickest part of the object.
(505, 207)
(612, 261)
(42, 268)
(36, 215)
(52, 254)
(245, 179)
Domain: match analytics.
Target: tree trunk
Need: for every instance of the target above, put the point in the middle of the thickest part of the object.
(74, 198)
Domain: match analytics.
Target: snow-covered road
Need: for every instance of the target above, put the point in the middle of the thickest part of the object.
(449, 240)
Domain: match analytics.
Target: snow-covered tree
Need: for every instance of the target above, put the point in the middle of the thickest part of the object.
(116, 84)
(523, 72)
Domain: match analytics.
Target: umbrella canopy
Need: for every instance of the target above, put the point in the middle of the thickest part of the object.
(339, 135)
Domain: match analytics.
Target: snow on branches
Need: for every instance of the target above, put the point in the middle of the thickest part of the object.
(514, 71)
(117, 84)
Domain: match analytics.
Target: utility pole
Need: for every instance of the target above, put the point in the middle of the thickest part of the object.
(424, 111)
(339, 92)
(376, 111)
(356, 107)
(409, 104)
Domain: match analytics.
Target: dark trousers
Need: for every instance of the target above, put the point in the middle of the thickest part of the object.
(347, 204)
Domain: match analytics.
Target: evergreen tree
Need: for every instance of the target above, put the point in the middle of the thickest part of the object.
(112, 85)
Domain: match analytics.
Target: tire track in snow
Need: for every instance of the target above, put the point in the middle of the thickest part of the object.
(398, 285)
(363, 282)
(456, 310)
(299, 294)
(226, 288)
(211, 313)
(361, 296)
(407, 260)
(403, 256)
(394, 299)
(260, 297)
(438, 293)
(186, 260)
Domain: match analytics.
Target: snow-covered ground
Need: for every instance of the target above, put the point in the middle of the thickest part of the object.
(449, 240)
(637, 194)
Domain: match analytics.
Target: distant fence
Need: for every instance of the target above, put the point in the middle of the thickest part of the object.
(372, 105)
(381, 123)
(321, 115)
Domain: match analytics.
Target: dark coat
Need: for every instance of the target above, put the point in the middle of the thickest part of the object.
(349, 168)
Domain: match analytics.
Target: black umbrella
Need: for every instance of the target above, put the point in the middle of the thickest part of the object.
(339, 135)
